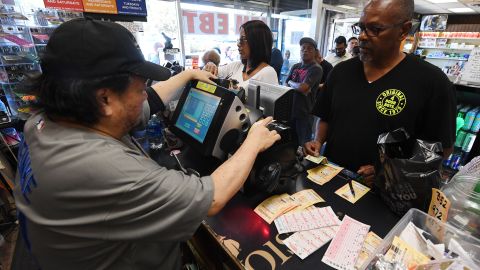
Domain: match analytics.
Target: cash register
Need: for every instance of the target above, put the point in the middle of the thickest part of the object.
(212, 120)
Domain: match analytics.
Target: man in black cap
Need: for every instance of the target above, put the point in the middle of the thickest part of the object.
(304, 77)
(88, 197)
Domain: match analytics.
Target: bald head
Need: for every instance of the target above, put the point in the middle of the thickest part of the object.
(399, 8)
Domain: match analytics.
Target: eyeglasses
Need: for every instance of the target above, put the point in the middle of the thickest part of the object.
(242, 40)
(370, 30)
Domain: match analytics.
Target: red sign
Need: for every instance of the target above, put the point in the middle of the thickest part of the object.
(212, 23)
(75, 5)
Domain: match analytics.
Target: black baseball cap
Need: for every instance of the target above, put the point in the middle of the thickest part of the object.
(308, 40)
(85, 48)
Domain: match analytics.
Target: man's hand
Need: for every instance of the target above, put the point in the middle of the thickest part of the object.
(261, 136)
(201, 75)
(312, 148)
(212, 68)
(368, 173)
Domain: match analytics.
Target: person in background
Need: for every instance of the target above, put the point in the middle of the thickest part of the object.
(229, 55)
(255, 48)
(155, 56)
(99, 202)
(340, 52)
(286, 63)
(326, 67)
(211, 56)
(277, 61)
(352, 43)
(356, 51)
(305, 78)
(385, 89)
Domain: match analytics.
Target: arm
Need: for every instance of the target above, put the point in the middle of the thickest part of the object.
(167, 89)
(230, 176)
(301, 87)
(313, 147)
(312, 80)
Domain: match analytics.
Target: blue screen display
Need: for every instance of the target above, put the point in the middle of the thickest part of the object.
(197, 114)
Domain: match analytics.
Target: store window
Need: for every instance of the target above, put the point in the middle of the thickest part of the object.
(207, 27)
(160, 38)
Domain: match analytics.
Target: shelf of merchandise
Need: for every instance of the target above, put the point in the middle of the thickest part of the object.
(448, 58)
(452, 38)
(445, 48)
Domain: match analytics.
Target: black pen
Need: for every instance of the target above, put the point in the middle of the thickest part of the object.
(351, 187)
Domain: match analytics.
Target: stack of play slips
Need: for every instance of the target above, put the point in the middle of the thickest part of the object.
(278, 205)
(324, 172)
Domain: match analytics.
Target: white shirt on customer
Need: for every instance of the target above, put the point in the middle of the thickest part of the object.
(234, 70)
(334, 59)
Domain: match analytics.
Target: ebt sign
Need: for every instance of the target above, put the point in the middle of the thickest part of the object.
(213, 23)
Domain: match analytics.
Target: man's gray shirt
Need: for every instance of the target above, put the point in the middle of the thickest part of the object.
(93, 202)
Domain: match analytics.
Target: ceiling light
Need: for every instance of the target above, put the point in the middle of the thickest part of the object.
(442, 1)
(346, 7)
(461, 10)
(259, 3)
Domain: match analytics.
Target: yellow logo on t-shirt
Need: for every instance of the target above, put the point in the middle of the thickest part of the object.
(391, 102)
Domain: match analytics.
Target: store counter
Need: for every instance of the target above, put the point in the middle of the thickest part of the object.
(238, 237)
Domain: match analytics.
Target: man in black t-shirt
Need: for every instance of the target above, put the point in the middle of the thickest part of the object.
(384, 90)
(326, 67)
(305, 78)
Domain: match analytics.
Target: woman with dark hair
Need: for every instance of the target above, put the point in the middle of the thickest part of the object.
(255, 48)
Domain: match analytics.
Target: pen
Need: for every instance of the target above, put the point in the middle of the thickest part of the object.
(351, 187)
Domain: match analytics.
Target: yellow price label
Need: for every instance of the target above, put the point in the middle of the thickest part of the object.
(206, 87)
(439, 205)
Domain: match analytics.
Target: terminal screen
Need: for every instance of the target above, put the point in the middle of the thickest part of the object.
(197, 114)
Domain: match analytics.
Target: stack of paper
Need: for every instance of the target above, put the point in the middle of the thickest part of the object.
(307, 220)
(400, 251)
(275, 206)
(343, 251)
(346, 193)
(306, 242)
(371, 243)
(306, 198)
(323, 173)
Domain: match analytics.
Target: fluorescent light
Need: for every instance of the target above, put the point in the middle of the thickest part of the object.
(259, 3)
(346, 7)
(442, 1)
(461, 10)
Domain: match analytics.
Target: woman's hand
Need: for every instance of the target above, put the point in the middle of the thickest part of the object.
(201, 75)
(212, 68)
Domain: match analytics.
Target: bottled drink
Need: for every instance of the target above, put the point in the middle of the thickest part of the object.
(155, 132)
(476, 124)
(460, 138)
(470, 118)
(3, 108)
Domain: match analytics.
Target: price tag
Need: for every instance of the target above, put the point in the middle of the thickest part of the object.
(439, 205)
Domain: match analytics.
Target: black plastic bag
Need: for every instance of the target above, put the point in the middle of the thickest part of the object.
(408, 170)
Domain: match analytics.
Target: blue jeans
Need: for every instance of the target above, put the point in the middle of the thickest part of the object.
(303, 128)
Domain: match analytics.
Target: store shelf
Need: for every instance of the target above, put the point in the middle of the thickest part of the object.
(8, 83)
(15, 64)
(445, 48)
(463, 38)
(448, 58)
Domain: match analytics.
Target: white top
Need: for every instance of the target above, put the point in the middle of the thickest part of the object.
(234, 71)
(334, 59)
